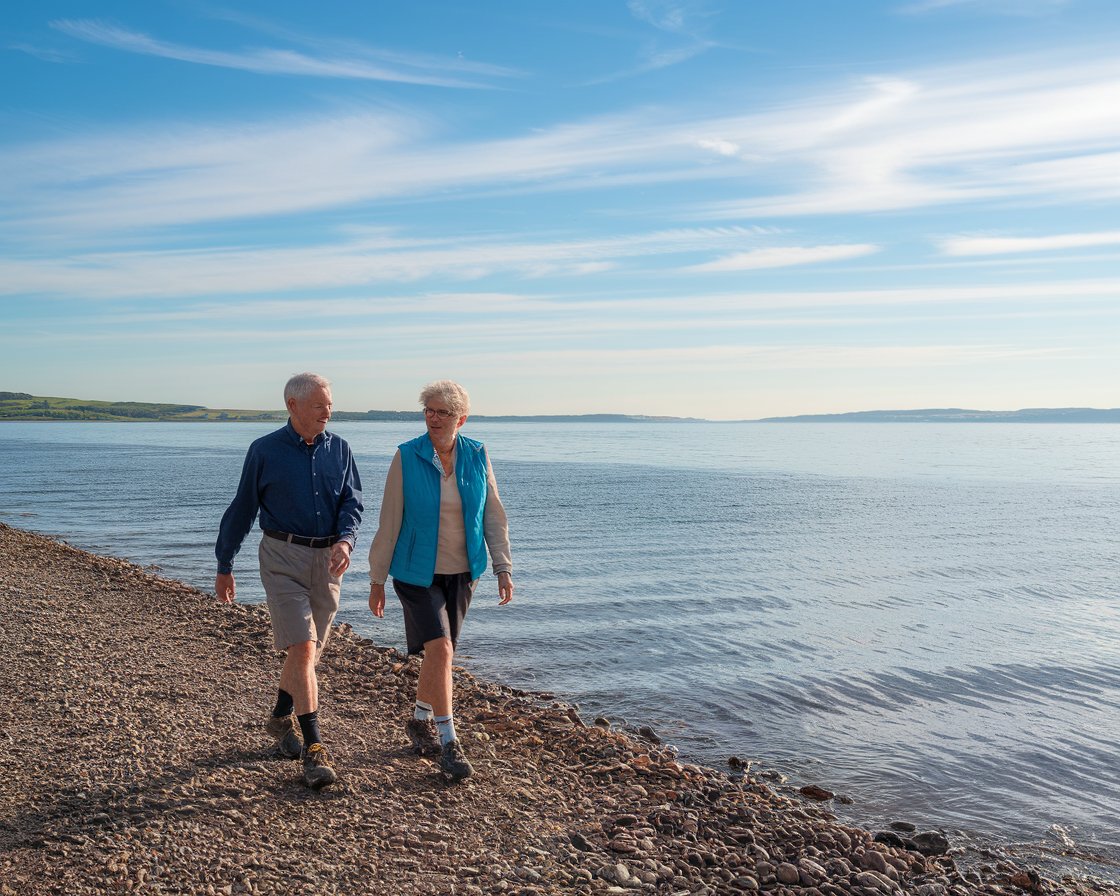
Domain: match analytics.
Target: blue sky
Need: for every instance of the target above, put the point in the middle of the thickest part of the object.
(722, 209)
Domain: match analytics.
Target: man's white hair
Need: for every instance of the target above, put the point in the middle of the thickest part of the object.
(449, 392)
(303, 384)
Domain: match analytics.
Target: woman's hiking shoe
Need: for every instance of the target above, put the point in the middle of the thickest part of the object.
(453, 763)
(425, 739)
(286, 732)
(316, 772)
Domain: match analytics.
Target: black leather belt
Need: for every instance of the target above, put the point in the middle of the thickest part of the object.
(324, 542)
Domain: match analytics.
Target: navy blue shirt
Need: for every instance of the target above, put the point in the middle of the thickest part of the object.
(302, 489)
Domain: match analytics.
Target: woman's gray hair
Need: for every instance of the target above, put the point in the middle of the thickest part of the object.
(449, 392)
(303, 384)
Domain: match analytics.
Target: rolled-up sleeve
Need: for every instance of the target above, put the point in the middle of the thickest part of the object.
(388, 524)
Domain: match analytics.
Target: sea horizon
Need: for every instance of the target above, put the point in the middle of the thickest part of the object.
(22, 406)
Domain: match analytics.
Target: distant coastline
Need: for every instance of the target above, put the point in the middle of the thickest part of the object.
(961, 415)
(22, 406)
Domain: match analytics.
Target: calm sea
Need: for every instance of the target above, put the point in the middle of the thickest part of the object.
(921, 617)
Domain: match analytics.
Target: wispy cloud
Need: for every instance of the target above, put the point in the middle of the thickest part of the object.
(566, 352)
(993, 245)
(334, 46)
(379, 257)
(359, 63)
(667, 15)
(726, 358)
(198, 173)
(913, 140)
(990, 7)
(721, 147)
(652, 58)
(1029, 129)
(687, 17)
(785, 256)
(47, 54)
(680, 37)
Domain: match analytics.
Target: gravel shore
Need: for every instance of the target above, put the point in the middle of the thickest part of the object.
(134, 761)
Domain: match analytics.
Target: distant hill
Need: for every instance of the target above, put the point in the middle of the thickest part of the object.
(962, 415)
(509, 418)
(22, 406)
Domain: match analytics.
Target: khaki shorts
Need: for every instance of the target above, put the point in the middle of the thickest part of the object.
(302, 594)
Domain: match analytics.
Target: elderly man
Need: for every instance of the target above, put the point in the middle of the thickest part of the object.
(303, 482)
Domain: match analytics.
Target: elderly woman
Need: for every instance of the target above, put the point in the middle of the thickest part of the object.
(440, 513)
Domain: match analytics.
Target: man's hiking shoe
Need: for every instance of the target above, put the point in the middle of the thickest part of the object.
(453, 763)
(316, 772)
(425, 740)
(286, 732)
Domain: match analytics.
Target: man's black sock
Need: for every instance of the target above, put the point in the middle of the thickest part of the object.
(284, 704)
(309, 725)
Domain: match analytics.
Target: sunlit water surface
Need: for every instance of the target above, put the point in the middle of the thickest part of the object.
(921, 617)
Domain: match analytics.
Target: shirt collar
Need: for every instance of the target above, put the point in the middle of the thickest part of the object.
(324, 438)
(427, 450)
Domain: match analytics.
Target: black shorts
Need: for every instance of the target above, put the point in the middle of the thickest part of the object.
(437, 611)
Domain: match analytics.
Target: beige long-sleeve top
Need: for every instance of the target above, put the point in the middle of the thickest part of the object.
(451, 553)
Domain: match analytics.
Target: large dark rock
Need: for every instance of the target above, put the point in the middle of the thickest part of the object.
(930, 843)
(890, 838)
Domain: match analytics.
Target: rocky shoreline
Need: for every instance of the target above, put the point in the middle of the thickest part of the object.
(134, 762)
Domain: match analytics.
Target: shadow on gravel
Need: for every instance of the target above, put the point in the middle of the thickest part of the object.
(212, 788)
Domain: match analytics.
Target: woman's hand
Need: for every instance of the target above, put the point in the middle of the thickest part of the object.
(505, 588)
(377, 600)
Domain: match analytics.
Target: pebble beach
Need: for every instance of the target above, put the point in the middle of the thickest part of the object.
(134, 761)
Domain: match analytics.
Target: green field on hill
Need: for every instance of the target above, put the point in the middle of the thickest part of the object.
(21, 406)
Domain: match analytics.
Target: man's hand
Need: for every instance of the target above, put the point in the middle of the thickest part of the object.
(340, 557)
(505, 588)
(377, 600)
(225, 587)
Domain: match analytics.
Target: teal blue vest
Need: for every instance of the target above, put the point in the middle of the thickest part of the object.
(414, 558)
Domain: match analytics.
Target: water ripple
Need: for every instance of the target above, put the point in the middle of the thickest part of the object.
(925, 618)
